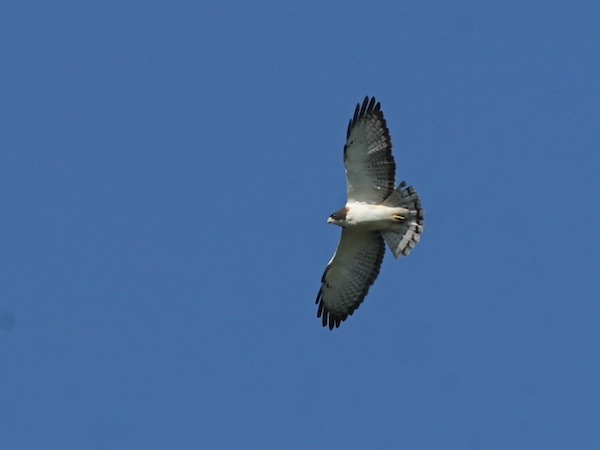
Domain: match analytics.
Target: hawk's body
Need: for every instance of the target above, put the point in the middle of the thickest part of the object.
(376, 211)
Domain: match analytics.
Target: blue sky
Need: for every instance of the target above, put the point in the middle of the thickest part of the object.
(166, 172)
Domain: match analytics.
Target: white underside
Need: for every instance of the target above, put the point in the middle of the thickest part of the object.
(374, 217)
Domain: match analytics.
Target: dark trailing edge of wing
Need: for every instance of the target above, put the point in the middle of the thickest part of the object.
(361, 111)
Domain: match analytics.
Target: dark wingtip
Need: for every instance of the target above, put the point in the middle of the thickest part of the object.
(334, 322)
(327, 319)
(356, 113)
(368, 105)
(364, 107)
(371, 104)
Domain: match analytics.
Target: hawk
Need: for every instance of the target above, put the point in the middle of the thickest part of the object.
(376, 212)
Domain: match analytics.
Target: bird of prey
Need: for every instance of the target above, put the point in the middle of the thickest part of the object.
(376, 211)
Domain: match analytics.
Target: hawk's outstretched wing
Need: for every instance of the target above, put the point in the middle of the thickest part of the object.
(370, 166)
(349, 275)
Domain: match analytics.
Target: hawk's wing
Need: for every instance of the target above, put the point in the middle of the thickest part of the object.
(370, 166)
(349, 275)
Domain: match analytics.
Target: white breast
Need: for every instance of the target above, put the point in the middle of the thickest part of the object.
(372, 217)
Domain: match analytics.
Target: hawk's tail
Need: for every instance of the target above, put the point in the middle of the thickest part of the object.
(403, 240)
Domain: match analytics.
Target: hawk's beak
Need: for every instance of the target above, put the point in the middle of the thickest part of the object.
(329, 220)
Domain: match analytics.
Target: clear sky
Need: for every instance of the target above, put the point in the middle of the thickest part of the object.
(166, 172)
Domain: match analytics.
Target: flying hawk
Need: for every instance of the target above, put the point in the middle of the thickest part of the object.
(375, 212)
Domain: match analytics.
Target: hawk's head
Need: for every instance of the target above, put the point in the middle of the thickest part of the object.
(338, 217)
